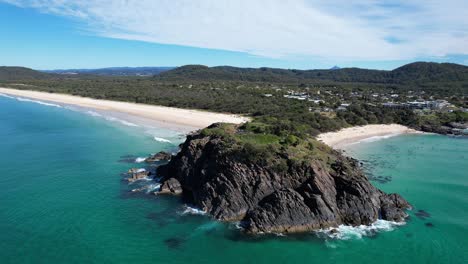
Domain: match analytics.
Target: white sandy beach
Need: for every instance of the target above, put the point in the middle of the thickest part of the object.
(184, 120)
(346, 136)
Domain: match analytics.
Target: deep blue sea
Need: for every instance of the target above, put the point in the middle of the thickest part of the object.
(63, 199)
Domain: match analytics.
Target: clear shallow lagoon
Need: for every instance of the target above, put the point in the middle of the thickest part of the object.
(62, 200)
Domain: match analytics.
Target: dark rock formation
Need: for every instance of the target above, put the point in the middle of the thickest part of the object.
(171, 186)
(160, 156)
(307, 196)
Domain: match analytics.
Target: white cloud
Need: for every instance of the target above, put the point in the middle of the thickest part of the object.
(358, 29)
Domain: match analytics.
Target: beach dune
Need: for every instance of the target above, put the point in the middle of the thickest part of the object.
(168, 117)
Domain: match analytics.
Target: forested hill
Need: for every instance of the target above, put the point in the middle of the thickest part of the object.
(418, 72)
(20, 73)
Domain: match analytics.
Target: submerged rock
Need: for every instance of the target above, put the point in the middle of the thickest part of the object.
(318, 193)
(422, 214)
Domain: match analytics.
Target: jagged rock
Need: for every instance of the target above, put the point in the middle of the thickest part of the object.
(308, 196)
(139, 175)
(171, 186)
(160, 156)
(135, 170)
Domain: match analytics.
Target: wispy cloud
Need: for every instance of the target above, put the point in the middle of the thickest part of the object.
(354, 30)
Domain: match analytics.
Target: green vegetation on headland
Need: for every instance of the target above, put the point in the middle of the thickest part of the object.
(249, 145)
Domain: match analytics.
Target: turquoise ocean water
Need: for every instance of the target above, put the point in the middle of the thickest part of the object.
(62, 200)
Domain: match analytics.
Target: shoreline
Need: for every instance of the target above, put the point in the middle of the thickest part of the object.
(351, 135)
(178, 119)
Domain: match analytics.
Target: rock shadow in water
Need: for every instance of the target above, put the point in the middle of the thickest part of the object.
(127, 159)
(163, 218)
(239, 236)
(421, 214)
(380, 179)
(175, 243)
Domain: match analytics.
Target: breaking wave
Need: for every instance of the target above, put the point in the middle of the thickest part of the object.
(162, 140)
(123, 122)
(153, 187)
(31, 101)
(140, 159)
(192, 211)
(344, 232)
(111, 118)
(7, 96)
(377, 138)
(92, 113)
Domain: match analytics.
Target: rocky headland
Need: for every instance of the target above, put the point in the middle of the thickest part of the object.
(274, 184)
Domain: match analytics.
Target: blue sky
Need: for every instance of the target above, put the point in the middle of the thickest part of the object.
(303, 34)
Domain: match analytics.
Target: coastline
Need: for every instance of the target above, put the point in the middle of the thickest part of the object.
(351, 135)
(183, 120)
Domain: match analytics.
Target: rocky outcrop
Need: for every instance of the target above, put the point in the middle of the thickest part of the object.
(160, 156)
(137, 174)
(171, 186)
(307, 196)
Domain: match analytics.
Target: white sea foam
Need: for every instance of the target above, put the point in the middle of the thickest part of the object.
(192, 211)
(140, 159)
(153, 187)
(344, 232)
(140, 170)
(7, 96)
(114, 119)
(162, 140)
(377, 138)
(92, 113)
(111, 118)
(37, 102)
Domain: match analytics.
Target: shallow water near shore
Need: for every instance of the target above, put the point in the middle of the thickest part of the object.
(62, 200)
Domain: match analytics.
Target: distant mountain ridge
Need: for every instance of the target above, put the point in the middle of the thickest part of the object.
(420, 73)
(115, 71)
(410, 73)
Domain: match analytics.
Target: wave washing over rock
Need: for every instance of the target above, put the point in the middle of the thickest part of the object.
(311, 196)
(346, 232)
(140, 159)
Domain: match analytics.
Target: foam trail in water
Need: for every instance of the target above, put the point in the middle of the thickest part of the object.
(162, 140)
(344, 232)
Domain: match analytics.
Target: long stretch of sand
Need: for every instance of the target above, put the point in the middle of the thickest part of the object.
(346, 136)
(168, 117)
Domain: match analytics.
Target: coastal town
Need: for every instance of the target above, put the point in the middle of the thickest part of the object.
(329, 102)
